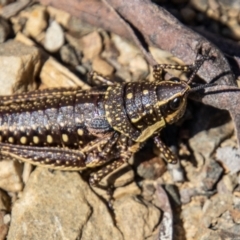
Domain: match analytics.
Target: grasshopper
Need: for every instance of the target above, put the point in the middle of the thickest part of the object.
(73, 129)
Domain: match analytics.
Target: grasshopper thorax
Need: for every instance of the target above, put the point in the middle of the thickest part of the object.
(141, 109)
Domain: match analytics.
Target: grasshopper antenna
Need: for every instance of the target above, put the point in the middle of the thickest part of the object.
(198, 63)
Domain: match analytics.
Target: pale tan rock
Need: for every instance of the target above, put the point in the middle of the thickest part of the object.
(27, 169)
(129, 190)
(127, 50)
(53, 74)
(60, 205)
(60, 16)
(101, 66)
(19, 65)
(54, 38)
(10, 176)
(37, 21)
(90, 45)
(191, 217)
(24, 39)
(136, 219)
(119, 179)
(138, 67)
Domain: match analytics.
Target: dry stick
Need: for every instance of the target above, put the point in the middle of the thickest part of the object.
(151, 61)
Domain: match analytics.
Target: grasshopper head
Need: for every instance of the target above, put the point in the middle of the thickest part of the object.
(172, 99)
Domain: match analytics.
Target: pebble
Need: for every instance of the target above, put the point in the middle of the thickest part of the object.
(210, 175)
(11, 176)
(54, 74)
(81, 214)
(69, 56)
(54, 38)
(37, 22)
(127, 51)
(60, 16)
(90, 45)
(13, 56)
(101, 66)
(133, 225)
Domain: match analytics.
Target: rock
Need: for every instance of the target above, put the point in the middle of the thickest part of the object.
(60, 16)
(141, 218)
(201, 5)
(76, 25)
(5, 2)
(148, 189)
(233, 13)
(227, 184)
(139, 68)
(90, 45)
(69, 56)
(101, 66)
(4, 30)
(217, 205)
(205, 142)
(54, 38)
(230, 157)
(10, 176)
(235, 214)
(210, 175)
(127, 51)
(63, 201)
(129, 190)
(225, 221)
(186, 194)
(27, 169)
(177, 172)
(37, 22)
(19, 66)
(124, 74)
(12, 9)
(53, 74)
(191, 215)
(64, 207)
(207, 234)
(148, 165)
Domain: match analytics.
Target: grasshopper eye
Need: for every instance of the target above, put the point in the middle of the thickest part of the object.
(175, 103)
(175, 79)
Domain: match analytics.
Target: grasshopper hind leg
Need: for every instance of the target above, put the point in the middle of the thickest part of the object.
(168, 155)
